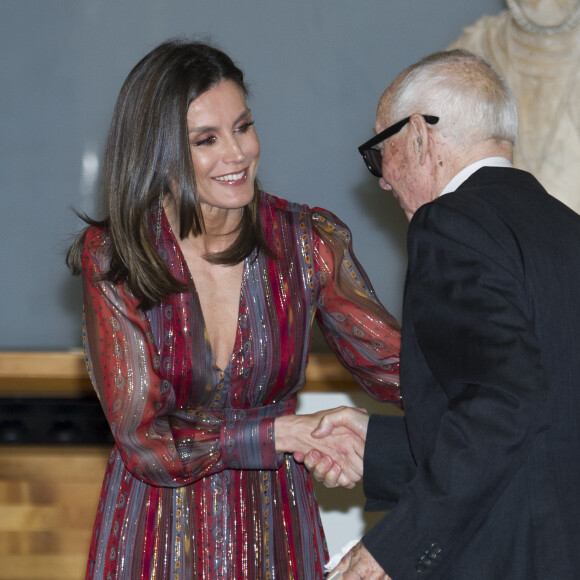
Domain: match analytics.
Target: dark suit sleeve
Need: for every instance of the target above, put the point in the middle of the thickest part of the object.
(473, 367)
(389, 464)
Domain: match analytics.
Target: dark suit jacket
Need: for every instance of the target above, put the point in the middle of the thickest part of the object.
(487, 483)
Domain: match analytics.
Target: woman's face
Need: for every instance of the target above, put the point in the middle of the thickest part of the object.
(547, 13)
(224, 147)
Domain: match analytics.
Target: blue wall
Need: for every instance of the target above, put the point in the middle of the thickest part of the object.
(316, 69)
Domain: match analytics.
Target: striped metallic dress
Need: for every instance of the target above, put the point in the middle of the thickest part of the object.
(194, 487)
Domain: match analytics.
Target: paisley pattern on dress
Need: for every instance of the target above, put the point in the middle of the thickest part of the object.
(194, 487)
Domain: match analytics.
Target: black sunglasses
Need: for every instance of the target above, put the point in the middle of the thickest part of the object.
(373, 156)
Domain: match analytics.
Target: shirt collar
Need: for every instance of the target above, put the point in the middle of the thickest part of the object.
(472, 168)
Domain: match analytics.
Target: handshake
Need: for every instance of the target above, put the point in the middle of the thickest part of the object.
(330, 443)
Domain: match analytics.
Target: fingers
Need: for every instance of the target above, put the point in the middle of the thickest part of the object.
(343, 481)
(338, 456)
(333, 418)
(358, 564)
(324, 469)
(354, 419)
(313, 459)
(347, 452)
(328, 472)
(299, 456)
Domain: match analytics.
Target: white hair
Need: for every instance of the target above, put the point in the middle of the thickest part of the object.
(472, 101)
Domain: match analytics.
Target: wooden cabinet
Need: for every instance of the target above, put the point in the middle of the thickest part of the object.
(48, 501)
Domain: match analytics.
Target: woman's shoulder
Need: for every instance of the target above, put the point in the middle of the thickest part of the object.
(317, 214)
(96, 237)
(96, 247)
(322, 222)
(280, 204)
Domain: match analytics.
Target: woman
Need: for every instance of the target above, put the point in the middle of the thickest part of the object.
(200, 292)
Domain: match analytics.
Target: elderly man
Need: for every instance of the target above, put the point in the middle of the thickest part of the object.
(482, 476)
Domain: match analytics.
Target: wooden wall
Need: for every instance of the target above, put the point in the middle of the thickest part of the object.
(48, 500)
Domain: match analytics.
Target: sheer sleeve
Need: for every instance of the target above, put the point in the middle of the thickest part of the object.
(361, 332)
(160, 444)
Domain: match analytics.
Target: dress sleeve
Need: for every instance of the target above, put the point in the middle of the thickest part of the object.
(361, 332)
(160, 444)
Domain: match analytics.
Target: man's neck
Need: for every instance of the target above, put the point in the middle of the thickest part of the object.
(485, 150)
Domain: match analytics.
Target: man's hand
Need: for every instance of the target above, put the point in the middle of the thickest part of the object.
(342, 446)
(358, 564)
(323, 466)
(357, 420)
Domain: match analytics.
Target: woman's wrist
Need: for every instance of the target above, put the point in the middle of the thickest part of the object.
(292, 433)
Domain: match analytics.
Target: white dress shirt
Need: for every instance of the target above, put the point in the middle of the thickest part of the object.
(472, 168)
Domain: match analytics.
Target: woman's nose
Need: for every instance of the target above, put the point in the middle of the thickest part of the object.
(234, 152)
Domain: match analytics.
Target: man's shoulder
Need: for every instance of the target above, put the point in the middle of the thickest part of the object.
(501, 190)
(497, 203)
(494, 177)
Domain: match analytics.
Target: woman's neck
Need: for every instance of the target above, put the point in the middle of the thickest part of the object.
(220, 227)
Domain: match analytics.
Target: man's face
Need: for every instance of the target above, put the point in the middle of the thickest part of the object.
(410, 181)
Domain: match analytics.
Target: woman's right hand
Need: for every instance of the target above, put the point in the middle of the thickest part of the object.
(330, 443)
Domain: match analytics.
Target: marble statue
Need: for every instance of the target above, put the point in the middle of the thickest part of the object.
(535, 46)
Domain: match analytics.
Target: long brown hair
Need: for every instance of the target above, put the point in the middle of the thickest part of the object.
(147, 147)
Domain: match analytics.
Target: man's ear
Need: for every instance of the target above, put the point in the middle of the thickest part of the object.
(420, 134)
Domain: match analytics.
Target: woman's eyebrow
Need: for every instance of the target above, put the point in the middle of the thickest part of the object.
(208, 129)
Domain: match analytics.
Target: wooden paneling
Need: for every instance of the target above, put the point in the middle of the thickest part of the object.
(56, 374)
(61, 374)
(48, 500)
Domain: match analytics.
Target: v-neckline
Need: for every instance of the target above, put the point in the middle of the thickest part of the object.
(195, 293)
